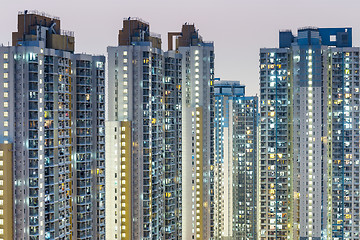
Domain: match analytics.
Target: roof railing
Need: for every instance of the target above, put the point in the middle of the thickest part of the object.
(36, 12)
(138, 19)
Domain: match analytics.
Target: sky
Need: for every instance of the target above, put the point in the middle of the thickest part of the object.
(239, 28)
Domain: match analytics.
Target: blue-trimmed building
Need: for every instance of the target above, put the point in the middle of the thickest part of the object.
(309, 134)
(235, 161)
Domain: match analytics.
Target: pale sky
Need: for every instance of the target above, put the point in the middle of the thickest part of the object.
(239, 28)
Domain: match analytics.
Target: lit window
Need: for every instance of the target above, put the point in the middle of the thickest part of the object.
(6, 123)
(6, 56)
(6, 133)
(125, 75)
(6, 65)
(6, 114)
(125, 53)
(6, 104)
(6, 94)
(1, 221)
(1, 164)
(125, 60)
(1, 231)
(1, 153)
(1, 212)
(1, 172)
(125, 68)
(1, 192)
(1, 201)
(6, 85)
(6, 75)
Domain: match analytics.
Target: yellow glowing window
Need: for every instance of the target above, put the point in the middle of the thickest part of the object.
(272, 155)
(1, 192)
(6, 75)
(6, 114)
(6, 123)
(6, 104)
(1, 201)
(6, 85)
(271, 114)
(6, 65)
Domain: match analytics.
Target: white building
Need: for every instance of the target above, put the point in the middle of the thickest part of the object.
(45, 89)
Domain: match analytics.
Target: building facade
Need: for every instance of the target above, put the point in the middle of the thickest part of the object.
(235, 162)
(144, 132)
(197, 132)
(40, 79)
(308, 106)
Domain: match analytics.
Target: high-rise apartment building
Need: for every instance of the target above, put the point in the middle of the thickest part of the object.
(145, 131)
(235, 162)
(135, 135)
(52, 133)
(309, 185)
(197, 132)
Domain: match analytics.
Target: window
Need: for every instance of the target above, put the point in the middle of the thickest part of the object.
(6, 85)
(1, 201)
(1, 231)
(6, 75)
(1, 221)
(6, 104)
(6, 65)
(6, 123)
(6, 56)
(1, 172)
(1, 182)
(1, 164)
(6, 133)
(1, 192)
(6, 94)
(6, 114)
